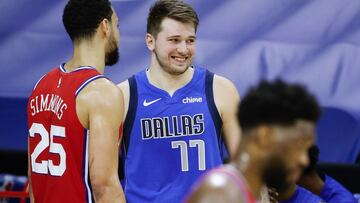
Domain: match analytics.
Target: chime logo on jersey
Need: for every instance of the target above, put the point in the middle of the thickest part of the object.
(166, 127)
(188, 100)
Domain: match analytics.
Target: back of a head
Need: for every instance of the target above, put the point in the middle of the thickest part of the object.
(81, 18)
(174, 9)
(277, 103)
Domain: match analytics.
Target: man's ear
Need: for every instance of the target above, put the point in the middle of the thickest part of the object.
(150, 41)
(263, 136)
(105, 28)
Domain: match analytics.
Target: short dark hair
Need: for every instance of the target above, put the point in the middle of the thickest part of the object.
(81, 18)
(277, 103)
(174, 9)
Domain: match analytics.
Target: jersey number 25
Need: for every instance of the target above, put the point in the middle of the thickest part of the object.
(55, 148)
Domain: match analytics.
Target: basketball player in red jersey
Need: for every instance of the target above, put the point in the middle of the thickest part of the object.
(75, 113)
(278, 123)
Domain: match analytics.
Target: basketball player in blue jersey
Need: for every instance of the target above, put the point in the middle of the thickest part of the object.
(316, 187)
(179, 118)
(278, 123)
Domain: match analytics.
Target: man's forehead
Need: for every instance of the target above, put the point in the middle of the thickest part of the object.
(175, 27)
(300, 129)
(305, 126)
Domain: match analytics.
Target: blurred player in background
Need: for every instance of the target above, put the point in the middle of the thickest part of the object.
(314, 187)
(278, 122)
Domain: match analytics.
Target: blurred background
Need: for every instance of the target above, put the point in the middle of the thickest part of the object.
(316, 43)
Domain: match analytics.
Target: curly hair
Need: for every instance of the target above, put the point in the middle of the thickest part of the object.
(277, 103)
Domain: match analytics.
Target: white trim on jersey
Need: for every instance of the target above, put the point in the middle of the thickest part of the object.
(87, 168)
(87, 82)
(36, 84)
(62, 69)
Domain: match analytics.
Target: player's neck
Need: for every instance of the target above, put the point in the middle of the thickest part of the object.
(166, 81)
(87, 54)
(251, 172)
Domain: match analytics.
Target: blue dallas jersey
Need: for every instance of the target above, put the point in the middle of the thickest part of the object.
(302, 195)
(332, 192)
(169, 141)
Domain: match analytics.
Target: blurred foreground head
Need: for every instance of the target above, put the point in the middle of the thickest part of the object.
(278, 121)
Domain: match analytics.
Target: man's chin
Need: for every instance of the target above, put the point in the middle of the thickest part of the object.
(280, 186)
(178, 71)
(276, 177)
(179, 68)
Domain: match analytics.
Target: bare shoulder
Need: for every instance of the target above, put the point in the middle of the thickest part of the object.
(226, 95)
(227, 99)
(125, 89)
(216, 187)
(101, 97)
(124, 86)
(102, 91)
(223, 86)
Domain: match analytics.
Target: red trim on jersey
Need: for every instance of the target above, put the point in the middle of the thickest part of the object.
(231, 171)
(239, 180)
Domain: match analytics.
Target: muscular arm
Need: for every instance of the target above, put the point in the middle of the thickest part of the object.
(227, 99)
(100, 109)
(125, 89)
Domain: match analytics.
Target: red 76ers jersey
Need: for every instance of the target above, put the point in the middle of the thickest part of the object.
(58, 143)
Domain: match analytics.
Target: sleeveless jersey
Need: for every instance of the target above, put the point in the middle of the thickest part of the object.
(58, 143)
(169, 141)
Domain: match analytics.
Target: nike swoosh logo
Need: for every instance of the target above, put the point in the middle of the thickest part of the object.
(150, 102)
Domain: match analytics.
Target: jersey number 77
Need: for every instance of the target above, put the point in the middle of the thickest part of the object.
(184, 153)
